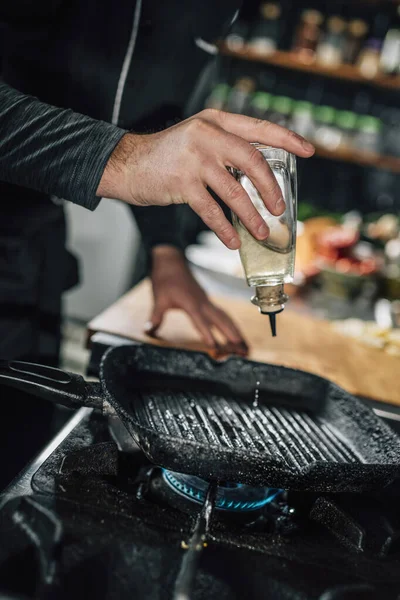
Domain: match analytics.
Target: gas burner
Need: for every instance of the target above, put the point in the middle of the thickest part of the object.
(231, 497)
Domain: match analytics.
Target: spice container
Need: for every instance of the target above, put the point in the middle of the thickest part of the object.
(237, 36)
(390, 56)
(391, 134)
(356, 32)
(218, 97)
(302, 121)
(260, 105)
(346, 122)
(240, 96)
(281, 108)
(266, 31)
(269, 264)
(307, 35)
(369, 59)
(330, 47)
(326, 134)
(368, 134)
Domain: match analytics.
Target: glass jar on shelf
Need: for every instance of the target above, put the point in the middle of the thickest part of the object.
(368, 61)
(331, 45)
(356, 32)
(237, 36)
(307, 35)
(265, 32)
(302, 121)
(368, 134)
(390, 55)
(326, 133)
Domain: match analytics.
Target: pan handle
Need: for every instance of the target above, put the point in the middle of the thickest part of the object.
(59, 387)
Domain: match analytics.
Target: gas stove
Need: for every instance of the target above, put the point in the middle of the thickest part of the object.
(92, 518)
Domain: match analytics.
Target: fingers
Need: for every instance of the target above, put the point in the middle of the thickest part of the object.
(154, 324)
(203, 326)
(245, 157)
(219, 319)
(212, 215)
(233, 194)
(258, 130)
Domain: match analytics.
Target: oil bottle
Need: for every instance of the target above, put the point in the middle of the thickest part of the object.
(269, 264)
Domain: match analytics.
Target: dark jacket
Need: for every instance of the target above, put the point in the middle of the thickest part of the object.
(70, 53)
(62, 65)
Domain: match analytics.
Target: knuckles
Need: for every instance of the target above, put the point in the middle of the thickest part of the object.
(211, 211)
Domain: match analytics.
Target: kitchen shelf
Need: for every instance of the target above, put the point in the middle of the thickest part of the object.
(366, 159)
(288, 60)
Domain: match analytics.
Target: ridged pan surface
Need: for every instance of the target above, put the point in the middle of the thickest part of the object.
(340, 446)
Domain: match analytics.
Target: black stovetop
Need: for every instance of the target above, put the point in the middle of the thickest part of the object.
(97, 522)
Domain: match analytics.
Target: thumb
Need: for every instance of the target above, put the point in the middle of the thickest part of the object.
(155, 321)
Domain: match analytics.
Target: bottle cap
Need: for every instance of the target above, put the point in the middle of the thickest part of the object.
(303, 108)
(245, 84)
(270, 10)
(313, 17)
(336, 25)
(325, 114)
(369, 124)
(221, 91)
(358, 28)
(261, 100)
(346, 119)
(282, 104)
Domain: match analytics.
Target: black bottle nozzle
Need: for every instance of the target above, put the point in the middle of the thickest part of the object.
(272, 322)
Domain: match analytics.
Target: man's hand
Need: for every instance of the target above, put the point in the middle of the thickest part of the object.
(176, 165)
(175, 287)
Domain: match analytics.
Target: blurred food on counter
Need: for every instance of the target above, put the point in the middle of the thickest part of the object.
(343, 255)
(371, 334)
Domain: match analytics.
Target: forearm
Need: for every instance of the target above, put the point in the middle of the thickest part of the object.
(53, 150)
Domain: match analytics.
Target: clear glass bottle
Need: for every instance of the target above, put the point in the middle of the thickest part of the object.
(269, 264)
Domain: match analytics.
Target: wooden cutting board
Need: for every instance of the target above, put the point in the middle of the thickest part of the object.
(302, 342)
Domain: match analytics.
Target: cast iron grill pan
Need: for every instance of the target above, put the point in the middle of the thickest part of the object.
(194, 415)
(336, 444)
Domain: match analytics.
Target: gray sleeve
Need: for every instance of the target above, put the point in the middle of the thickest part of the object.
(53, 150)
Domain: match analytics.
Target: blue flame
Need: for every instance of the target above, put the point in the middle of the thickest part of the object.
(228, 496)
